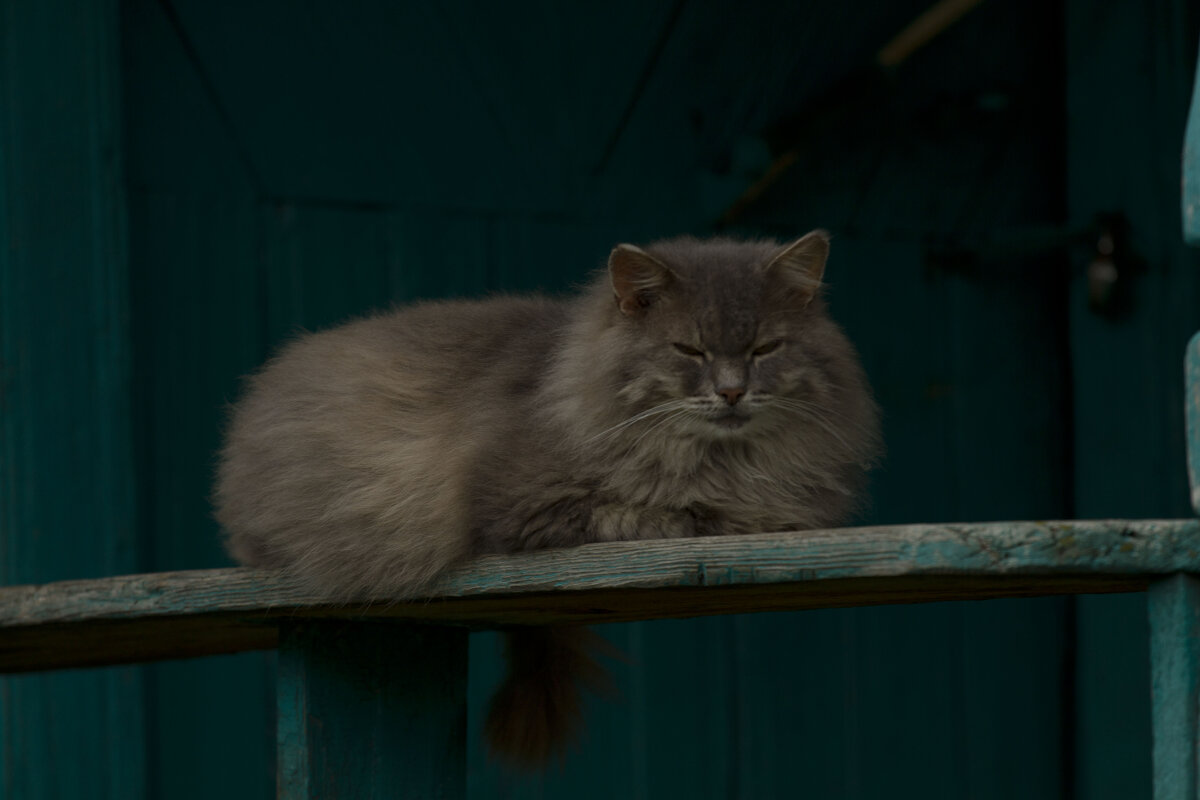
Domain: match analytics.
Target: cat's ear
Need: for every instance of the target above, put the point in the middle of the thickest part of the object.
(638, 278)
(801, 264)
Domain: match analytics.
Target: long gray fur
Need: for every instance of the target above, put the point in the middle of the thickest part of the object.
(367, 459)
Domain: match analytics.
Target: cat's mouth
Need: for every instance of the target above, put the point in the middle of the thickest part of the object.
(730, 421)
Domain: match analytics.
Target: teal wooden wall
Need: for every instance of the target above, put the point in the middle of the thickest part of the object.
(1127, 376)
(67, 491)
(183, 184)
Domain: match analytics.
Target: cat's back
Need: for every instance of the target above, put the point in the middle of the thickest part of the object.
(429, 346)
(361, 428)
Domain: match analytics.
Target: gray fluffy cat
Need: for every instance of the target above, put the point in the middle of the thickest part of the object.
(698, 388)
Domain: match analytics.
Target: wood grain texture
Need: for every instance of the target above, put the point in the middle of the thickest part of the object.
(371, 710)
(166, 615)
(1175, 676)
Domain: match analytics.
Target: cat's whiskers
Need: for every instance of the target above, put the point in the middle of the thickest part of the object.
(677, 414)
(826, 412)
(662, 408)
(815, 414)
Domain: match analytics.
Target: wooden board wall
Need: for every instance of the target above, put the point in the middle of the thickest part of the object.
(66, 454)
(1127, 374)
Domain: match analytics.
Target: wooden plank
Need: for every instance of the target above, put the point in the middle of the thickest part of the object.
(1175, 697)
(438, 254)
(1191, 168)
(371, 710)
(1193, 418)
(66, 461)
(324, 265)
(139, 617)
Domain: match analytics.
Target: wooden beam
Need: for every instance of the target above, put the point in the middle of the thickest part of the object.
(371, 709)
(183, 614)
(1175, 689)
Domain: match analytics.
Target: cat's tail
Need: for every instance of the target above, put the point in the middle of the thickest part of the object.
(537, 712)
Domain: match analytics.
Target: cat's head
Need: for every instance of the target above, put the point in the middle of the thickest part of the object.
(724, 337)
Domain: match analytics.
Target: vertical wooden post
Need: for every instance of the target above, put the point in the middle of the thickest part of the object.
(371, 710)
(1175, 679)
(1192, 408)
(1191, 168)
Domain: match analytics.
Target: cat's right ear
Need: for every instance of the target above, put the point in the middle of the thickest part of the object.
(638, 278)
(801, 265)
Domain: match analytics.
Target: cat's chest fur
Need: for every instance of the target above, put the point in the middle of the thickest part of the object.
(531, 494)
(751, 486)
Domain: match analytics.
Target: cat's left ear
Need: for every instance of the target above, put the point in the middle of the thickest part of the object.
(801, 264)
(638, 278)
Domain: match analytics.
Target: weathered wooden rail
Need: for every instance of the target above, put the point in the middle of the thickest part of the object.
(182, 614)
(372, 696)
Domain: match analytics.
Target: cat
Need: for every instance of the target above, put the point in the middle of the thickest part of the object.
(694, 388)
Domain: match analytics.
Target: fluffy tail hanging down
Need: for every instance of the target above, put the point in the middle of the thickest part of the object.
(537, 712)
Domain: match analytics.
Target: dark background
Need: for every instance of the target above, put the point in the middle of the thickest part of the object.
(184, 183)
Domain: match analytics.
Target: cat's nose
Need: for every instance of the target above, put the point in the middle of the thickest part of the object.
(732, 394)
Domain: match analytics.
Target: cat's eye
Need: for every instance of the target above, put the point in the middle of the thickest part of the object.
(766, 347)
(688, 350)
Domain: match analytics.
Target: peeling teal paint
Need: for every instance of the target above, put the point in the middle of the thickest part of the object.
(1175, 686)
